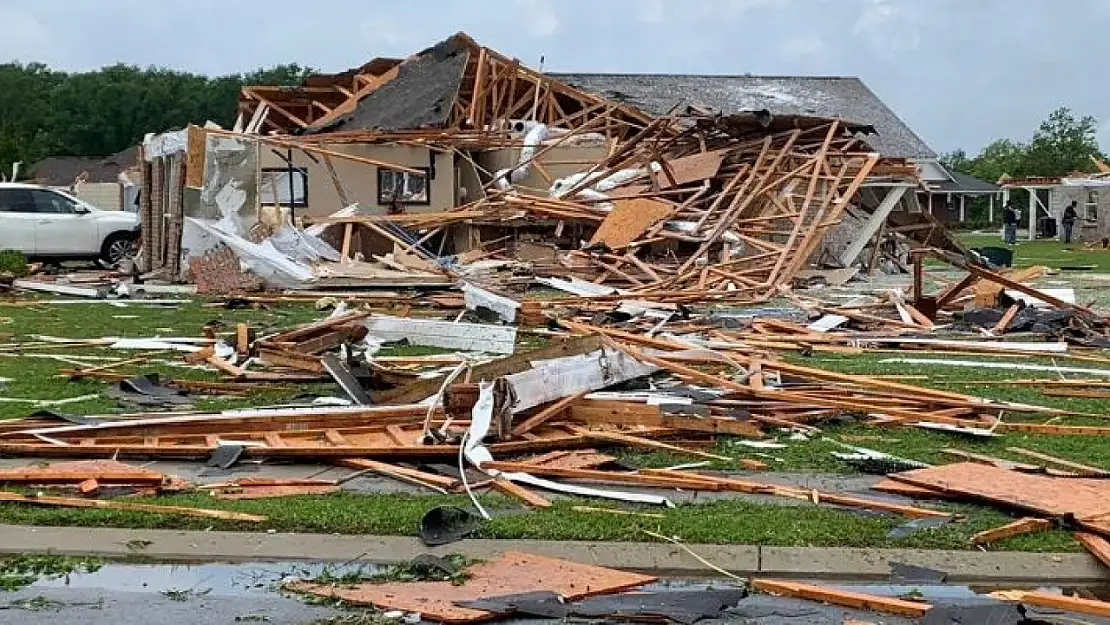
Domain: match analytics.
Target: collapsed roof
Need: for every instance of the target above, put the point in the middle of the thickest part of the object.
(844, 97)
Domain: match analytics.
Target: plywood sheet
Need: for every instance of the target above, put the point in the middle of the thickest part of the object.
(195, 156)
(693, 168)
(906, 490)
(1087, 499)
(629, 219)
(512, 573)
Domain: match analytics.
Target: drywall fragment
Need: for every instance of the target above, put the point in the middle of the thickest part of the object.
(473, 337)
(505, 307)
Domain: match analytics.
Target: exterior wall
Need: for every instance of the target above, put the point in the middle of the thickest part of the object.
(103, 195)
(1099, 200)
(931, 170)
(361, 180)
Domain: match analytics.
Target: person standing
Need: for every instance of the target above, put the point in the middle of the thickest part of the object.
(1070, 216)
(1010, 217)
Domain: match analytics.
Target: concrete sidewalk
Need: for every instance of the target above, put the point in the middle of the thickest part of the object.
(664, 559)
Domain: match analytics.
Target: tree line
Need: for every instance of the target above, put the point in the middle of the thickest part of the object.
(1063, 144)
(45, 112)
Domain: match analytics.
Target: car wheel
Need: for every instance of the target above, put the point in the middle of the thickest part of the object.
(118, 248)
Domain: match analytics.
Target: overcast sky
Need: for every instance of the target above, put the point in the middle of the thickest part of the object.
(961, 73)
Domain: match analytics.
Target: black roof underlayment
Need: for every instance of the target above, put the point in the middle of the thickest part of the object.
(421, 96)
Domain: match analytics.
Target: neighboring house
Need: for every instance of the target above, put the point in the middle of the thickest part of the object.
(946, 199)
(1049, 196)
(94, 180)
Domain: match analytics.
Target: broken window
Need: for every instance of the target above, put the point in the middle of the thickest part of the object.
(404, 188)
(276, 189)
(1090, 209)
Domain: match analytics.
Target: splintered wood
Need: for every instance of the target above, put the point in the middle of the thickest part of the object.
(511, 573)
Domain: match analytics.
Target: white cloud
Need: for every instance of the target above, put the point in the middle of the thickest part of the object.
(652, 12)
(540, 18)
(803, 46)
(875, 16)
(700, 11)
(25, 37)
(887, 28)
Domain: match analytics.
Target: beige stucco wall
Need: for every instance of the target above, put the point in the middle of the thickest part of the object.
(559, 162)
(361, 180)
(103, 195)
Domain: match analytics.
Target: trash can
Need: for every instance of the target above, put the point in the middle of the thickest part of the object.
(998, 256)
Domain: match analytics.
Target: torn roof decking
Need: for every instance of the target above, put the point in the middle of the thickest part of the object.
(843, 97)
(459, 85)
(422, 95)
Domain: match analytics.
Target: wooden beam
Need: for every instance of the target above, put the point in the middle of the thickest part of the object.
(1025, 525)
(546, 414)
(73, 502)
(843, 598)
(516, 490)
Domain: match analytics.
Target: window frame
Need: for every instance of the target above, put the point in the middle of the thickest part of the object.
(55, 196)
(1090, 208)
(26, 192)
(427, 174)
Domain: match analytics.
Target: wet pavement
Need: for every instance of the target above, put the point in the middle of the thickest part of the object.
(217, 594)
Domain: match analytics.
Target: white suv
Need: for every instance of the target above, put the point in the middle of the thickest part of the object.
(46, 223)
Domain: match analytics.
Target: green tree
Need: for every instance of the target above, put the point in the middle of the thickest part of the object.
(956, 160)
(1001, 158)
(1063, 144)
(44, 112)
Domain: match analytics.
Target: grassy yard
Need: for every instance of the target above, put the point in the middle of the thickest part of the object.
(1052, 253)
(36, 377)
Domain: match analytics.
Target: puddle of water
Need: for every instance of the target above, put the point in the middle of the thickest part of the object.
(226, 580)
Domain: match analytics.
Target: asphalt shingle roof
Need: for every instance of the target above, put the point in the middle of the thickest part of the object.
(845, 97)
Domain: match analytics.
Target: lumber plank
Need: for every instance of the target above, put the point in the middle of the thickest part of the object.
(516, 490)
(1006, 319)
(1041, 599)
(1082, 468)
(644, 443)
(859, 601)
(640, 479)
(72, 502)
(546, 414)
(413, 476)
(1025, 525)
(1098, 546)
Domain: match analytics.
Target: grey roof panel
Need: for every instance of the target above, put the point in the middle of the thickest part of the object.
(964, 183)
(421, 96)
(844, 97)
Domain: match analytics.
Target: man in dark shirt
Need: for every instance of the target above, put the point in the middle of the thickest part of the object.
(1070, 215)
(1010, 218)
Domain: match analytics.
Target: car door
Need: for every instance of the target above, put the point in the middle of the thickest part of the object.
(18, 218)
(64, 228)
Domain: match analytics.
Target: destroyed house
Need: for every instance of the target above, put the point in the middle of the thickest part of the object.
(457, 146)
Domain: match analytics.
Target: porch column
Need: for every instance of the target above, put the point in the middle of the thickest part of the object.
(963, 208)
(990, 209)
(1033, 203)
(878, 218)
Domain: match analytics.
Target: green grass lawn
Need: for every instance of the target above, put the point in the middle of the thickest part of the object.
(724, 521)
(1052, 253)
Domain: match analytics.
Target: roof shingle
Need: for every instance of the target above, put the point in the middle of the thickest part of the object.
(845, 97)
